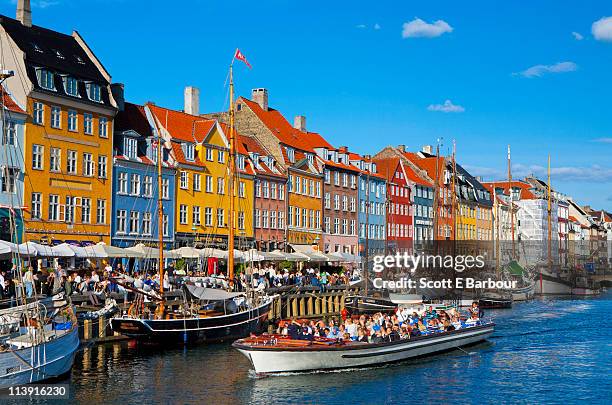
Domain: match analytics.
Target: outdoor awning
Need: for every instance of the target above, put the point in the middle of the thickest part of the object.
(47, 251)
(13, 248)
(343, 257)
(253, 255)
(83, 252)
(311, 254)
(113, 251)
(188, 252)
(275, 255)
(151, 253)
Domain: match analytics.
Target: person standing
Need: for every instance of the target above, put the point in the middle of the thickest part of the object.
(28, 281)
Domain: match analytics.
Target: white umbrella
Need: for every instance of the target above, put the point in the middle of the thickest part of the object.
(112, 251)
(187, 252)
(10, 247)
(47, 251)
(212, 252)
(253, 255)
(151, 253)
(84, 252)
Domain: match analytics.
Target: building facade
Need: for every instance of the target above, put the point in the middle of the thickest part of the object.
(12, 169)
(68, 141)
(135, 194)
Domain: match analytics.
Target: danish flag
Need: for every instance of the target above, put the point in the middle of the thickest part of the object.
(238, 55)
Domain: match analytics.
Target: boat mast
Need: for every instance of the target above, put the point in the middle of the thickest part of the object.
(511, 203)
(367, 233)
(454, 197)
(160, 212)
(232, 163)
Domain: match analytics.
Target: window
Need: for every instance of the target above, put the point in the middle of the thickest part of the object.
(134, 222)
(353, 181)
(130, 147)
(209, 154)
(122, 182)
(184, 180)
(209, 184)
(220, 185)
(336, 202)
(135, 184)
(336, 178)
(71, 162)
(9, 179)
(45, 79)
(183, 214)
(273, 191)
(336, 226)
(220, 217)
(189, 150)
(146, 223)
(318, 190)
(103, 127)
(38, 152)
(257, 218)
(344, 203)
(195, 215)
(344, 180)
(39, 113)
(290, 215)
(257, 188)
(326, 223)
(281, 220)
(327, 177)
(221, 156)
(71, 86)
(266, 189)
(305, 187)
(344, 227)
(8, 137)
(148, 187)
(241, 189)
(241, 220)
(93, 92)
(291, 154)
(304, 217)
(196, 182)
(102, 171)
(208, 216)
(36, 212)
(273, 222)
(121, 221)
(54, 207)
(265, 219)
(56, 117)
(352, 204)
(352, 227)
(86, 210)
(55, 159)
(165, 225)
(240, 162)
(88, 164)
(281, 191)
(69, 209)
(165, 189)
(327, 201)
(101, 211)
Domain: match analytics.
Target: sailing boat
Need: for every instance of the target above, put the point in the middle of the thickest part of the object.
(207, 314)
(38, 339)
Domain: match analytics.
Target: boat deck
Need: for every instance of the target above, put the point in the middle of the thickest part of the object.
(26, 340)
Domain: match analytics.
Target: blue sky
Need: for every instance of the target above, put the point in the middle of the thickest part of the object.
(370, 74)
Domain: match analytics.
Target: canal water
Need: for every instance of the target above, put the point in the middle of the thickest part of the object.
(543, 351)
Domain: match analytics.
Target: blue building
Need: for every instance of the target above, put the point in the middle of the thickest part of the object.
(371, 197)
(423, 212)
(135, 182)
(12, 171)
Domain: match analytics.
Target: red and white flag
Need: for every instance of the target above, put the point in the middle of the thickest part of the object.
(238, 55)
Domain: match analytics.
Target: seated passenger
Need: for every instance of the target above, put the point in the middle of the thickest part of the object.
(377, 338)
(361, 336)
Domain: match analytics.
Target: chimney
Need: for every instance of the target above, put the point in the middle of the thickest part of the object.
(343, 149)
(192, 100)
(402, 148)
(260, 96)
(427, 149)
(367, 157)
(299, 123)
(118, 91)
(24, 12)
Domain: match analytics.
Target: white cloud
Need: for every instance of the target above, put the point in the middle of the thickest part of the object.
(578, 36)
(541, 70)
(418, 28)
(602, 29)
(603, 140)
(377, 26)
(447, 107)
(361, 26)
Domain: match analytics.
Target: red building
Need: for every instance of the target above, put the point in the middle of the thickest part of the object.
(400, 231)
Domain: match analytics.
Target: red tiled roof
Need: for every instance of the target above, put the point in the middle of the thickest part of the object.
(180, 125)
(280, 127)
(10, 104)
(387, 167)
(428, 164)
(180, 156)
(526, 193)
(251, 145)
(573, 218)
(411, 174)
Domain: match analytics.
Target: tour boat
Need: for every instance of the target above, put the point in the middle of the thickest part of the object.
(495, 299)
(361, 304)
(271, 354)
(41, 350)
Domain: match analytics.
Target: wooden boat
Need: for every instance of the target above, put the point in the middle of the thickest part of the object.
(278, 354)
(361, 304)
(495, 300)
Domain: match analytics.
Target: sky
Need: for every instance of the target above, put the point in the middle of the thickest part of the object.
(484, 74)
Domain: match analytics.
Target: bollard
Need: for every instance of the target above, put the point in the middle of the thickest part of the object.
(86, 329)
(102, 327)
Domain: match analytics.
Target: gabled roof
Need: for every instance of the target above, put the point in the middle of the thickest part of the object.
(280, 127)
(387, 167)
(526, 193)
(60, 53)
(251, 145)
(10, 104)
(182, 126)
(428, 164)
(133, 117)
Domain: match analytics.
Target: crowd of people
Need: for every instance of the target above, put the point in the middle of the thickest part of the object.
(264, 277)
(379, 327)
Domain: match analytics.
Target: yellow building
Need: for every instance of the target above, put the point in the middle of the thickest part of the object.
(200, 154)
(68, 136)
